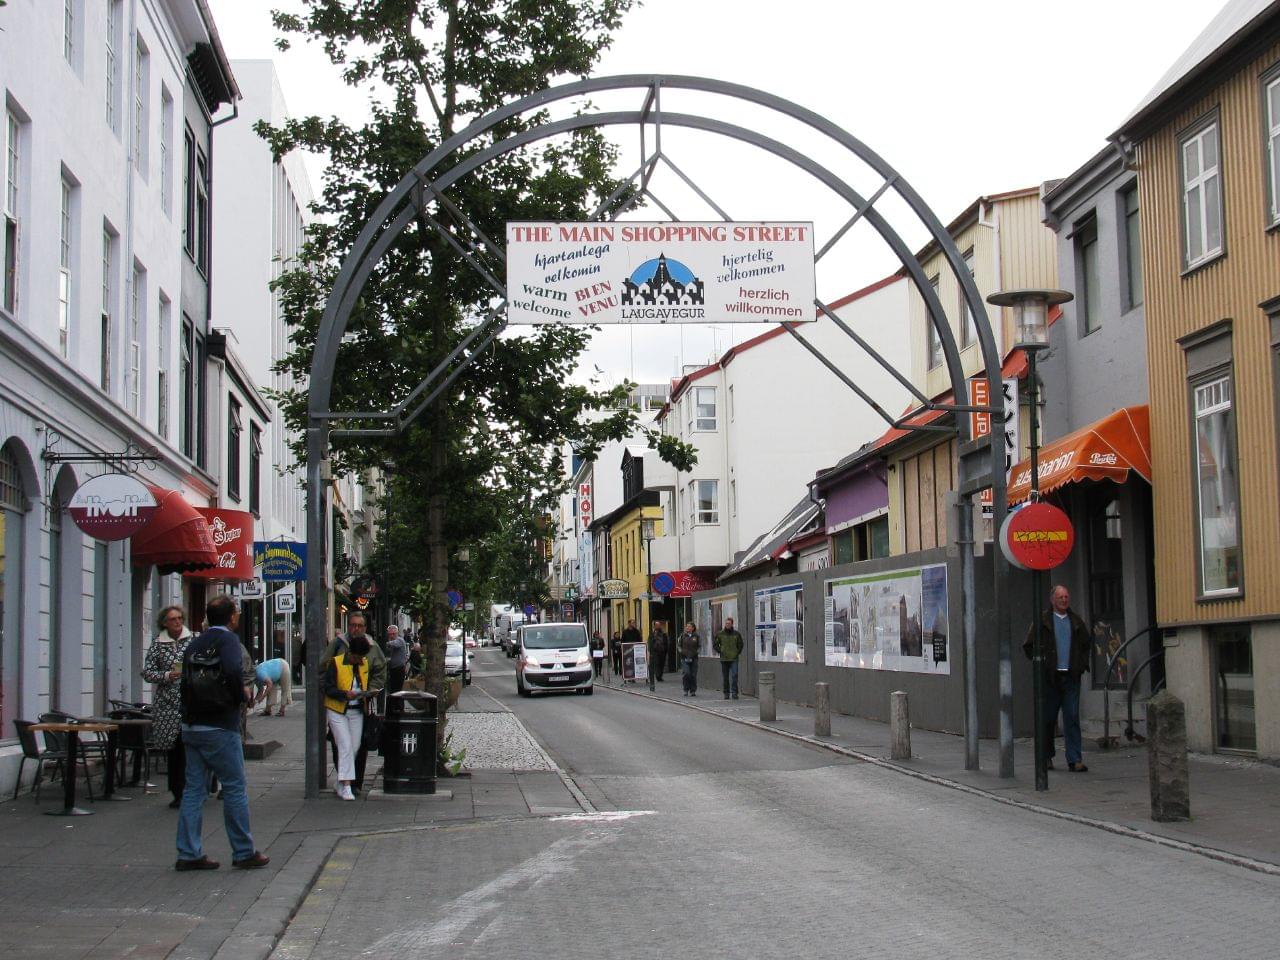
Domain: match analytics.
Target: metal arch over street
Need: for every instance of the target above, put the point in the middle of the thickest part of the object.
(982, 460)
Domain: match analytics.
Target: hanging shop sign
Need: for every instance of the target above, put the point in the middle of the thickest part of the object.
(981, 425)
(365, 585)
(1038, 536)
(613, 590)
(233, 539)
(585, 505)
(682, 583)
(659, 272)
(113, 506)
(280, 560)
(251, 590)
(286, 601)
(893, 620)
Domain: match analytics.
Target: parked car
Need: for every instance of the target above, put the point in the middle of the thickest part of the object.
(553, 656)
(457, 662)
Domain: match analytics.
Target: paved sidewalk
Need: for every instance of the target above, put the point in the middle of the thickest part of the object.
(1235, 802)
(104, 887)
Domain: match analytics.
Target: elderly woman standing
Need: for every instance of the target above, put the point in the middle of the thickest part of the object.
(163, 670)
(346, 688)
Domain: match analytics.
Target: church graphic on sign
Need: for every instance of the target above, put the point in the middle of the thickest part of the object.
(662, 281)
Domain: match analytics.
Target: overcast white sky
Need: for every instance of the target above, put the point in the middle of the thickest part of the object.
(963, 99)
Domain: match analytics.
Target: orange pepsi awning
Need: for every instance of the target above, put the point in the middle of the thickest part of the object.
(1105, 450)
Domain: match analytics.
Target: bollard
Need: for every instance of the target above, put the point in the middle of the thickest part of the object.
(768, 706)
(1167, 758)
(821, 710)
(900, 725)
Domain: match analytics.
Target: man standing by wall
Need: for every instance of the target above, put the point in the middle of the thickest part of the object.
(728, 643)
(690, 645)
(1064, 649)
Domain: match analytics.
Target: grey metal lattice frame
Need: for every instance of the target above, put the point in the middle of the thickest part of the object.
(982, 459)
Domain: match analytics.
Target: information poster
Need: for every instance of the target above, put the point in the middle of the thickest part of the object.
(635, 662)
(710, 614)
(779, 623)
(895, 620)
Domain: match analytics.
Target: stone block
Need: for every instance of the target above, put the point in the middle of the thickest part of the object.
(1167, 758)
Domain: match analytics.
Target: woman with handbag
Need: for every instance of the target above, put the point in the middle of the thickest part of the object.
(346, 689)
(162, 668)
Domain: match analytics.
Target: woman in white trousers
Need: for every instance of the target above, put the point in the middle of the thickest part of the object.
(346, 684)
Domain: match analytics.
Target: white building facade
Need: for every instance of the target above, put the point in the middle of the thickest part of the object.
(105, 226)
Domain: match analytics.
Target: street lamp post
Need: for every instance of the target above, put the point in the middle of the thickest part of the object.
(648, 530)
(1031, 333)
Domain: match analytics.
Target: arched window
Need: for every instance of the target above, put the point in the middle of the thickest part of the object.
(13, 508)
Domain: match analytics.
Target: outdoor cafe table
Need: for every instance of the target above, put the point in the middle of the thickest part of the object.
(113, 734)
(73, 731)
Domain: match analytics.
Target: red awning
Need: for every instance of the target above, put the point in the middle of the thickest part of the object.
(177, 540)
(1105, 450)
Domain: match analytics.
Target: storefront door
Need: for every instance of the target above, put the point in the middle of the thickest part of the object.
(1105, 562)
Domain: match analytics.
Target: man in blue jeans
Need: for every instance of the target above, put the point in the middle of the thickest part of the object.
(212, 694)
(1064, 647)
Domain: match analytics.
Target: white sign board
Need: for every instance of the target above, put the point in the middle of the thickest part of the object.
(895, 620)
(659, 272)
(251, 590)
(286, 602)
(779, 623)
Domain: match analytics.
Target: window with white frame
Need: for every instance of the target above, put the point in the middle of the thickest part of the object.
(66, 232)
(933, 356)
(137, 321)
(706, 501)
(166, 139)
(141, 85)
(969, 332)
(108, 293)
(113, 63)
(1217, 486)
(12, 170)
(163, 345)
(705, 408)
(1271, 113)
(1201, 195)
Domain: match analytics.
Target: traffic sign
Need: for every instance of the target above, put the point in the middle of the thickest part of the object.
(1038, 536)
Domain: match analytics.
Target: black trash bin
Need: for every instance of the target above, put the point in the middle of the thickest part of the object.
(409, 743)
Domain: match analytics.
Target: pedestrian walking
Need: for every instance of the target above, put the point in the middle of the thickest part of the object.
(213, 694)
(357, 626)
(728, 643)
(597, 653)
(162, 668)
(615, 653)
(397, 659)
(1064, 649)
(346, 690)
(690, 645)
(658, 649)
(274, 681)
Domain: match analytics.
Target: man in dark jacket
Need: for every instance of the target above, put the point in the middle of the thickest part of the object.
(729, 643)
(212, 700)
(1064, 648)
(690, 645)
(658, 648)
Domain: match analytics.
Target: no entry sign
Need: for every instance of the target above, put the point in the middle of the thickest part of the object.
(1038, 536)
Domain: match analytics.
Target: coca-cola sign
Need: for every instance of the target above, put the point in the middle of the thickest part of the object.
(113, 506)
(233, 539)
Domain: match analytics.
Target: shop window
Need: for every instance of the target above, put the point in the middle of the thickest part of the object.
(1105, 558)
(13, 507)
(1232, 650)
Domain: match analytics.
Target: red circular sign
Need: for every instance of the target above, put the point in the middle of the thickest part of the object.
(1038, 536)
(113, 506)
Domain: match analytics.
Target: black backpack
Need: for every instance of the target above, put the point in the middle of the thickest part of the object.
(205, 689)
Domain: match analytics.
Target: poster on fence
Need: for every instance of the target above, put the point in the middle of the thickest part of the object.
(893, 620)
(710, 614)
(779, 623)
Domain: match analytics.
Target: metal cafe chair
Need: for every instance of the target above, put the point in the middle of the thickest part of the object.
(55, 750)
(31, 751)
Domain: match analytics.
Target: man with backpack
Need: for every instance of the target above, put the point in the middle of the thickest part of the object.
(212, 695)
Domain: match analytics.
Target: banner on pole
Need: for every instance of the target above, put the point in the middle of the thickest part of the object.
(659, 272)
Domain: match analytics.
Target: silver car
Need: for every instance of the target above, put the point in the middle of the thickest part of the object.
(457, 661)
(553, 656)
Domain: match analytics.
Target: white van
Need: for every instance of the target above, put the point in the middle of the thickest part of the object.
(553, 656)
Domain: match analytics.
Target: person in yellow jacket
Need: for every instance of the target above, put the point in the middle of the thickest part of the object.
(346, 688)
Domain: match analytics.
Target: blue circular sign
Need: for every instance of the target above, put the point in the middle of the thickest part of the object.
(530, 609)
(664, 583)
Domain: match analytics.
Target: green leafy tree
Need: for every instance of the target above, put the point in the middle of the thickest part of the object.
(480, 466)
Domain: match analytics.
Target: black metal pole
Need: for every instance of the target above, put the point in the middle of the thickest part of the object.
(648, 600)
(1037, 656)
